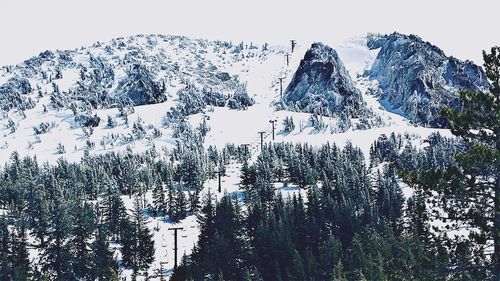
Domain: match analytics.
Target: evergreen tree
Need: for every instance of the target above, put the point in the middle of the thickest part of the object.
(389, 198)
(113, 212)
(179, 208)
(84, 225)
(206, 219)
(37, 207)
(103, 263)
(19, 257)
(138, 245)
(5, 251)
(288, 125)
(247, 175)
(111, 122)
(159, 201)
(57, 255)
(194, 202)
(296, 268)
(190, 169)
(469, 190)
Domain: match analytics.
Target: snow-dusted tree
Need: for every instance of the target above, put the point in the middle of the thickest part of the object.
(159, 201)
(60, 149)
(111, 122)
(138, 245)
(179, 207)
(288, 125)
(104, 265)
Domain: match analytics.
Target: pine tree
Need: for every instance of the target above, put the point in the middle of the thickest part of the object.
(113, 212)
(296, 268)
(111, 122)
(337, 273)
(288, 125)
(194, 201)
(57, 255)
(389, 199)
(159, 201)
(129, 244)
(190, 169)
(329, 258)
(247, 175)
(138, 245)
(314, 218)
(5, 251)
(180, 205)
(38, 209)
(20, 257)
(170, 201)
(206, 218)
(104, 265)
(469, 191)
(84, 225)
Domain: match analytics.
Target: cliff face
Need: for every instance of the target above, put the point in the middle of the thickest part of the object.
(417, 78)
(322, 84)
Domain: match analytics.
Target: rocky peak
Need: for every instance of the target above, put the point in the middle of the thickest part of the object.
(418, 79)
(322, 84)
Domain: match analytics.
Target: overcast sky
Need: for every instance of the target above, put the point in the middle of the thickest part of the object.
(461, 28)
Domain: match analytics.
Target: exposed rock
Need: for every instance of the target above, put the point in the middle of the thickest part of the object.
(321, 84)
(140, 87)
(418, 79)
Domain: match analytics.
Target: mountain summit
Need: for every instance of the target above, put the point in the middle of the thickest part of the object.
(418, 79)
(322, 84)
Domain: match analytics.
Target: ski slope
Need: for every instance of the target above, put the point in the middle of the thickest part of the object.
(261, 74)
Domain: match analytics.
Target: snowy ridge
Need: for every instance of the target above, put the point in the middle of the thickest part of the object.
(257, 69)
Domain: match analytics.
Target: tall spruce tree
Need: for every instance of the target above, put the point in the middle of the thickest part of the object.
(113, 212)
(83, 227)
(57, 255)
(138, 245)
(469, 190)
(104, 266)
(180, 204)
(5, 270)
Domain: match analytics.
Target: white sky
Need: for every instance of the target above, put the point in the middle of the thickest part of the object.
(461, 28)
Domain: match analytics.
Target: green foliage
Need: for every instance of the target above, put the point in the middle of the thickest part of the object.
(138, 245)
(467, 190)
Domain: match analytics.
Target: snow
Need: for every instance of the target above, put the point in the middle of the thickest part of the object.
(70, 76)
(288, 191)
(260, 71)
(355, 55)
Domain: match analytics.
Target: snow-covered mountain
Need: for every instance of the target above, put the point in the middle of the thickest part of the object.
(150, 92)
(417, 78)
(132, 92)
(322, 84)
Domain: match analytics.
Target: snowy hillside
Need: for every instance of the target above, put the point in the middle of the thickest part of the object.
(144, 93)
(93, 99)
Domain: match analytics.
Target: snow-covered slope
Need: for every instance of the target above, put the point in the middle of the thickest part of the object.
(195, 78)
(88, 100)
(132, 93)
